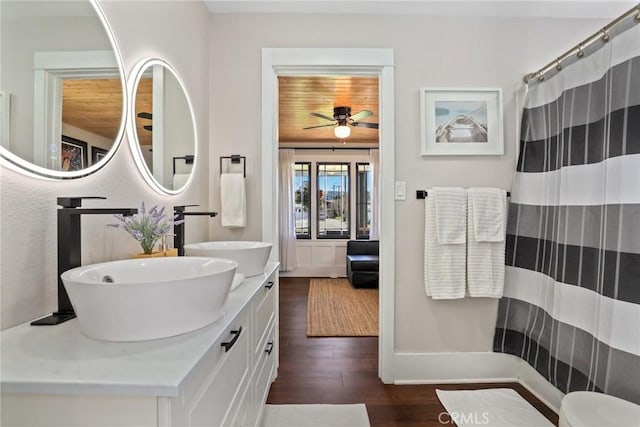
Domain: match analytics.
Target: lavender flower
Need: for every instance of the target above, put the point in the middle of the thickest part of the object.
(147, 226)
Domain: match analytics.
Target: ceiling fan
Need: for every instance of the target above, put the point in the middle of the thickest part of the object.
(148, 116)
(342, 120)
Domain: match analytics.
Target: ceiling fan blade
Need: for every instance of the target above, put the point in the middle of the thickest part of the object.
(365, 125)
(361, 115)
(322, 116)
(319, 126)
(145, 115)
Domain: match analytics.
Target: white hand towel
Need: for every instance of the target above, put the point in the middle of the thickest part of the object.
(451, 214)
(444, 264)
(487, 211)
(233, 200)
(180, 180)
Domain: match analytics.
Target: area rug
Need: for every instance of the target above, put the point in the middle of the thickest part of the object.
(315, 416)
(336, 309)
(494, 407)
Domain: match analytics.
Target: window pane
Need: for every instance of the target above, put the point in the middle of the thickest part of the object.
(363, 200)
(302, 201)
(333, 200)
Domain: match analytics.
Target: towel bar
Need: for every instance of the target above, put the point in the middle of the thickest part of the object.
(235, 159)
(188, 159)
(422, 194)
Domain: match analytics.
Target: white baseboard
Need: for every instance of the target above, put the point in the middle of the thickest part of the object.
(316, 271)
(434, 368)
(473, 367)
(533, 381)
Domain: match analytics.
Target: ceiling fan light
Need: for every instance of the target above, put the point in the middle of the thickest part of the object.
(342, 131)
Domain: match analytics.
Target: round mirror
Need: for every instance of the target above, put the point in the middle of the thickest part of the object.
(164, 144)
(61, 87)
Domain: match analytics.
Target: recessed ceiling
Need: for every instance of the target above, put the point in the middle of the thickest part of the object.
(598, 9)
(301, 95)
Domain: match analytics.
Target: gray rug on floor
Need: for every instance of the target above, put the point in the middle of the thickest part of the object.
(315, 416)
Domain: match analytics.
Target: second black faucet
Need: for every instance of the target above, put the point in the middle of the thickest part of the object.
(178, 230)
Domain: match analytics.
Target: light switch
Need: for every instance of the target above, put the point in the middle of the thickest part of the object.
(401, 190)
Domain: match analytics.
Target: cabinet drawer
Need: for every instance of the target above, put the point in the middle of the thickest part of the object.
(268, 289)
(266, 365)
(222, 389)
(212, 389)
(212, 360)
(240, 407)
(265, 312)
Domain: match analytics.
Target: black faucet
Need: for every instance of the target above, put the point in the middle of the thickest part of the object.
(178, 230)
(69, 249)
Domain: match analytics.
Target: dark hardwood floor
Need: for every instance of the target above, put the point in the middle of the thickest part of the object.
(345, 370)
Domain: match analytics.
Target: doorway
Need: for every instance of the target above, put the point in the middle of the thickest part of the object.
(379, 62)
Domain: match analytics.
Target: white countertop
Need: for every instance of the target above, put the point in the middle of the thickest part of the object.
(61, 360)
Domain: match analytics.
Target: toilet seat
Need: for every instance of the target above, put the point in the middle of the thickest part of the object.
(590, 409)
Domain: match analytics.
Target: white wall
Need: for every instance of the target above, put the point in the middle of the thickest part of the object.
(429, 51)
(172, 30)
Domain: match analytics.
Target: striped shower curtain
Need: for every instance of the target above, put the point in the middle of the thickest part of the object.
(571, 305)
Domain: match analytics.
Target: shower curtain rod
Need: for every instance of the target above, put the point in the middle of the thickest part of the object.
(630, 18)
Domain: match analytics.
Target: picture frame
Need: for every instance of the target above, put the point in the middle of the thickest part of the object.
(73, 154)
(97, 154)
(461, 121)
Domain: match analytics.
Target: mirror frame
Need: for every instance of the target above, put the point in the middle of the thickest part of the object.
(31, 169)
(134, 143)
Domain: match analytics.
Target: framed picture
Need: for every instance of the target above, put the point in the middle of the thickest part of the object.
(97, 154)
(461, 121)
(73, 154)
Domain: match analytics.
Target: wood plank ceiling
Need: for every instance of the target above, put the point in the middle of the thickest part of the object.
(301, 95)
(95, 105)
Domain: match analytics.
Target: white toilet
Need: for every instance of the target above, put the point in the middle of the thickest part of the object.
(590, 409)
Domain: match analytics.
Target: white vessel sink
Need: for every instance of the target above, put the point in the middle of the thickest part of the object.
(151, 298)
(251, 257)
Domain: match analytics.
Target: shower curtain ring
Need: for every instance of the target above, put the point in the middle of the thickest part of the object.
(637, 17)
(580, 53)
(540, 76)
(559, 64)
(605, 35)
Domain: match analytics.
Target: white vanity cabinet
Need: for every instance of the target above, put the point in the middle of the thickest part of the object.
(189, 380)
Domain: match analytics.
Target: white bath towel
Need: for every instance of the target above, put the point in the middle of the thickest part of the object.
(233, 200)
(451, 214)
(180, 180)
(444, 263)
(487, 212)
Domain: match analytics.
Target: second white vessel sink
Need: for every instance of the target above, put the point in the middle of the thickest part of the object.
(150, 298)
(251, 257)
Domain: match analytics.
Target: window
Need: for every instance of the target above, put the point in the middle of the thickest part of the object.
(333, 201)
(363, 200)
(302, 173)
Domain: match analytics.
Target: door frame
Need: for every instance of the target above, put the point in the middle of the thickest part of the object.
(339, 61)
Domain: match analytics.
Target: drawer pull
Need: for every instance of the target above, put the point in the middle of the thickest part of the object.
(269, 285)
(269, 348)
(236, 334)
